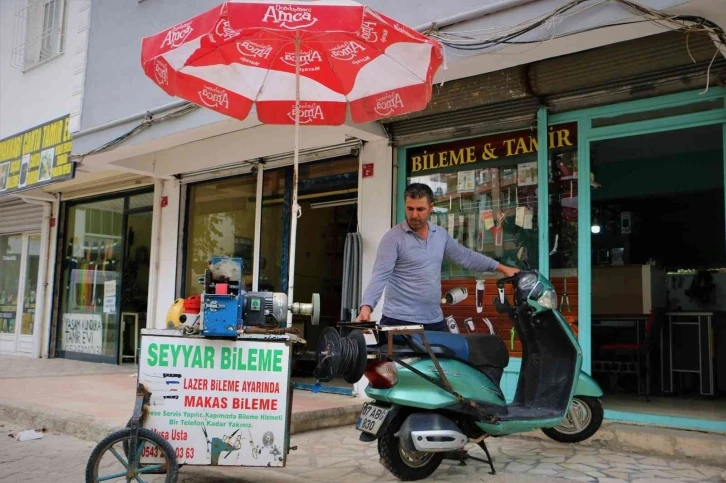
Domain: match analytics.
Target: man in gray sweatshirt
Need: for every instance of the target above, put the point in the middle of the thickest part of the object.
(408, 266)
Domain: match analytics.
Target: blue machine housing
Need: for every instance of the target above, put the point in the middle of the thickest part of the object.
(222, 314)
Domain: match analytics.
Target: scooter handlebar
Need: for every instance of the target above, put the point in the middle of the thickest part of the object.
(504, 280)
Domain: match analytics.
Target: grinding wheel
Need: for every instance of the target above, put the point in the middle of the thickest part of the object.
(356, 372)
(328, 355)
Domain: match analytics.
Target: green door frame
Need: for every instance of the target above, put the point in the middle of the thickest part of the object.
(586, 135)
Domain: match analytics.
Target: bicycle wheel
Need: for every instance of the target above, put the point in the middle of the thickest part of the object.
(107, 463)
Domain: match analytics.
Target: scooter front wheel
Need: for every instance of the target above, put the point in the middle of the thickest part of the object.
(404, 464)
(582, 421)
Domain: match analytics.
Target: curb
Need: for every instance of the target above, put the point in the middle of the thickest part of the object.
(694, 446)
(704, 448)
(35, 416)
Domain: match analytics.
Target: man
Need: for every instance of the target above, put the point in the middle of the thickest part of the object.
(408, 266)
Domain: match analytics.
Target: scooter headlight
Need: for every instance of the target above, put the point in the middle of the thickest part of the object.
(548, 299)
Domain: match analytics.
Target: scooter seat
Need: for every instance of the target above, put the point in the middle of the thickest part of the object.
(454, 342)
(486, 352)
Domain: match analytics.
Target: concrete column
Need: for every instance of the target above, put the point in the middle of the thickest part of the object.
(374, 212)
(165, 246)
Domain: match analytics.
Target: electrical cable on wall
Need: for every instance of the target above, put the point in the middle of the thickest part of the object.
(144, 125)
(512, 35)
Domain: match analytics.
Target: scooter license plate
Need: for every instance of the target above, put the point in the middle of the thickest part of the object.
(371, 418)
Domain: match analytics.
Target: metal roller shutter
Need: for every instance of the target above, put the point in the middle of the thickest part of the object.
(18, 216)
(110, 184)
(504, 116)
(509, 99)
(350, 148)
(651, 66)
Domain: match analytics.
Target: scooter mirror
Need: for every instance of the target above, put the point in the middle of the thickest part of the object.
(522, 254)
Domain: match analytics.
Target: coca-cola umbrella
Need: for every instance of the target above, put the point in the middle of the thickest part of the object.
(297, 62)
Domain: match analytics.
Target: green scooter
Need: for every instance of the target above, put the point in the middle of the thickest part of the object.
(435, 392)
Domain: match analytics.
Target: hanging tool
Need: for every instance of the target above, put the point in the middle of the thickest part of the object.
(565, 296)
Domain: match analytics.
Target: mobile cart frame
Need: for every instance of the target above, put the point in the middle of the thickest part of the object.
(196, 397)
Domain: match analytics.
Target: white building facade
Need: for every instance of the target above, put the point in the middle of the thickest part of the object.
(43, 48)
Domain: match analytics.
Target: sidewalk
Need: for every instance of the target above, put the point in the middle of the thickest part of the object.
(89, 400)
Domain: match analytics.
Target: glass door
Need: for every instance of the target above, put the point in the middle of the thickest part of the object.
(104, 279)
(27, 299)
(11, 250)
(91, 271)
(18, 284)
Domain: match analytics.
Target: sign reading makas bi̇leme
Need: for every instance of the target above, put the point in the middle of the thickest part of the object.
(217, 402)
(36, 157)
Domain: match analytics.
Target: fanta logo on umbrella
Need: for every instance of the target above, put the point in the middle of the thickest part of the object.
(306, 58)
(253, 49)
(369, 32)
(347, 50)
(308, 113)
(177, 35)
(214, 97)
(225, 31)
(387, 105)
(161, 73)
(289, 16)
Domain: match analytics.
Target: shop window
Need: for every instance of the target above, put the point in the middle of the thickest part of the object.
(144, 200)
(273, 235)
(659, 113)
(485, 192)
(32, 264)
(10, 258)
(220, 223)
(92, 256)
(323, 181)
(104, 280)
(562, 162)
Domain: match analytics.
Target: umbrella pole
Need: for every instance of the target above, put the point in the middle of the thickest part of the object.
(295, 212)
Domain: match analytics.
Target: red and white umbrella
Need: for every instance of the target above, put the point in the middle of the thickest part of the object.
(297, 62)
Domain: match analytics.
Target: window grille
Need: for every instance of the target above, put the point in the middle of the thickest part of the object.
(39, 33)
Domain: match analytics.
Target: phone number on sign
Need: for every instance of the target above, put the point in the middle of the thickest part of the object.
(156, 452)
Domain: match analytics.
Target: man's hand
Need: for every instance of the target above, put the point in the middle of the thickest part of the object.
(365, 314)
(507, 271)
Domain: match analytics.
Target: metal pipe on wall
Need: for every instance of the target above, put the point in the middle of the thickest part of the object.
(258, 229)
(472, 14)
(131, 118)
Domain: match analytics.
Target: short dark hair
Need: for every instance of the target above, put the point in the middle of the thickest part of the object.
(418, 191)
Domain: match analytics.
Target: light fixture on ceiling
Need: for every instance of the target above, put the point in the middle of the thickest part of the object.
(595, 227)
(331, 204)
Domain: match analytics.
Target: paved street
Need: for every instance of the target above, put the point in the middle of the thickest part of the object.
(337, 455)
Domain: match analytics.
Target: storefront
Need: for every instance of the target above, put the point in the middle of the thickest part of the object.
(103, 273)
(20, 242)
(28, 161)
(244, 211)
(633, 236)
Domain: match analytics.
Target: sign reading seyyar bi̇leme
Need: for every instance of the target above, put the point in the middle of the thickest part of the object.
(217, 402)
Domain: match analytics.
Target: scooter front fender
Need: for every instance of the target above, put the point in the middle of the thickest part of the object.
(586, 386)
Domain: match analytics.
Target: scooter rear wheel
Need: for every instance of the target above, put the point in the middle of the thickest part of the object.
(404, 464)
(582, 421)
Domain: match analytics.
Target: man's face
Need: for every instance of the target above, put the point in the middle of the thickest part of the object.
(418, 211)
